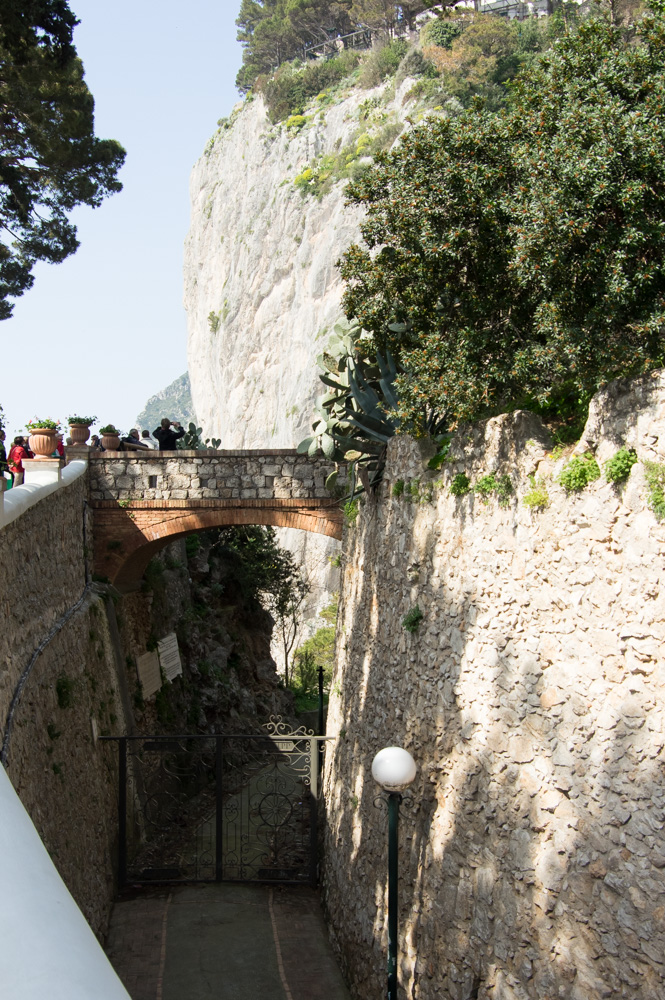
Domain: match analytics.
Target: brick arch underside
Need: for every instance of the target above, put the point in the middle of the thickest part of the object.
(149, 535)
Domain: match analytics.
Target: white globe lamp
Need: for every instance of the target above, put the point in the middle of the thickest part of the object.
(394, 769)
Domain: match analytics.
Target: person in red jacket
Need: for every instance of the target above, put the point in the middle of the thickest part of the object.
(15, 460)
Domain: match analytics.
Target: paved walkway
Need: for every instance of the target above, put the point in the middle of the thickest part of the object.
(224, 942)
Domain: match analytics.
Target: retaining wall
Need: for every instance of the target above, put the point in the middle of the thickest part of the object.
(63, 695)
(532, 696)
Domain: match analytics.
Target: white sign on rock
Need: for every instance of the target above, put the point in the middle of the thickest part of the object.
(169, 656)
(149, 674)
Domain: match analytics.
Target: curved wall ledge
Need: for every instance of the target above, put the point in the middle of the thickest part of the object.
(43, 478)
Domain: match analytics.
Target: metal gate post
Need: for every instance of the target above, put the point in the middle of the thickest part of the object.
(321, 726)
(314, 809)
(219, 830)
(122, 811)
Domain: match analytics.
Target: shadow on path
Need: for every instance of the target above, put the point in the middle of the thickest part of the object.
(224, 942)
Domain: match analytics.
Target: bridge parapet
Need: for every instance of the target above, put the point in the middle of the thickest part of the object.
(276, 474)
(142, 500)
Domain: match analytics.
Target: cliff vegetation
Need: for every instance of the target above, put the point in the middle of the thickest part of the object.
(275, 31)
(510, 253)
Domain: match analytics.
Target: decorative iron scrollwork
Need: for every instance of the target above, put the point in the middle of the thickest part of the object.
(277, 727)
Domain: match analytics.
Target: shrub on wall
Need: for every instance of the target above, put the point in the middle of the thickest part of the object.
(655, 476)
(412, 619)
(381, 63)
(537, 498)
(617, 469)
(291, 87)
(579, 472)
(460, 485)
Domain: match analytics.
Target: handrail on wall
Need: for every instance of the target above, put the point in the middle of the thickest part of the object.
(42, 481)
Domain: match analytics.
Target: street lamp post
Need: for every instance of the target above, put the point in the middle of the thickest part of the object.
(394, 769)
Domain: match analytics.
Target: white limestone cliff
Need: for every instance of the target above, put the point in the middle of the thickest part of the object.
(262, 291)
(260, 257)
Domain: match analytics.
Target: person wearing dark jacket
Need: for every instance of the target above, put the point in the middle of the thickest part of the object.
(166, 437)
(3, 457)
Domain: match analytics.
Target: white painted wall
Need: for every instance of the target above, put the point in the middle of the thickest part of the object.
(47, 949)
(39, 484)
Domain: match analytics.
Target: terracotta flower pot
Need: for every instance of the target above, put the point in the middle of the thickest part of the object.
(79, 433)
(111, 442)
(42, 442)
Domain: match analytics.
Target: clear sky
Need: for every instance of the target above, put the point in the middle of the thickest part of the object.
(106, 329)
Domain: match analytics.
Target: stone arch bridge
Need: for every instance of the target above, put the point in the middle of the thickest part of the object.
(141, 501)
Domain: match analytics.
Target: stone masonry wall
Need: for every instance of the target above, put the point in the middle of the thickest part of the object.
(66, 780)
(65, 777)
(185, 475)
(43, 574)
(532, 697)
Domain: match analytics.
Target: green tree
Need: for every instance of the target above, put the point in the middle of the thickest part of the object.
(266, 575)
(50, 159)
(484, 55)
(274, 31)
(317, 651)
(386, 15)
(318, 20)
(512, 257)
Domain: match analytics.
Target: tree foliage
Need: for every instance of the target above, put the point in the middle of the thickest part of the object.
(267, 575)
(50, 159)
(514, 257)
(275, 31)
(480, 54)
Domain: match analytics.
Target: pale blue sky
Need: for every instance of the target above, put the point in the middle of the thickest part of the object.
(106, 329)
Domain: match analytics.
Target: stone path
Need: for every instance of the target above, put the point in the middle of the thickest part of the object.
(224, 942)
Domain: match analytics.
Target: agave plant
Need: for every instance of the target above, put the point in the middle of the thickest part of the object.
(357, 417)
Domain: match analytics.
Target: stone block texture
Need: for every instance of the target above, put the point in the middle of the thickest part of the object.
(532, 696)
(66, 780)
(182, 472)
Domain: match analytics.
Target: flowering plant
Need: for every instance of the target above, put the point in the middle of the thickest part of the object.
(48, 425)
(109, 429)
(86, 421)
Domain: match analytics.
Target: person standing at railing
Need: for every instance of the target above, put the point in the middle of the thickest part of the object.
(4, 468)
(133, 441)
(15, 460)
(166, 437)
(59, 450)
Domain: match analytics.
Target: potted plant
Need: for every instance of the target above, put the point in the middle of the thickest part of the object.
(42, 436)
(79, 429)
(110, 437)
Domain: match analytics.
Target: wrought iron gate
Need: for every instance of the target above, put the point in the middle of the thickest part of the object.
(218, 808)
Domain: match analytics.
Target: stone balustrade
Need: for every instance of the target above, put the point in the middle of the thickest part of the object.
(278, 474)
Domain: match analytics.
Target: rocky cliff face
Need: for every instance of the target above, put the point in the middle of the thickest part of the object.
(261, 288)
(262, 292)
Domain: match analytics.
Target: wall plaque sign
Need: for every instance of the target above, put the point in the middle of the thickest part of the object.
(169, 656)
(149, 674)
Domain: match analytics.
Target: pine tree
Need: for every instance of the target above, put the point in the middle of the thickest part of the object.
(50, 158)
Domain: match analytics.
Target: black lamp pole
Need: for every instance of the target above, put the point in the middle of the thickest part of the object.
(394, 799)
(394, 769)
